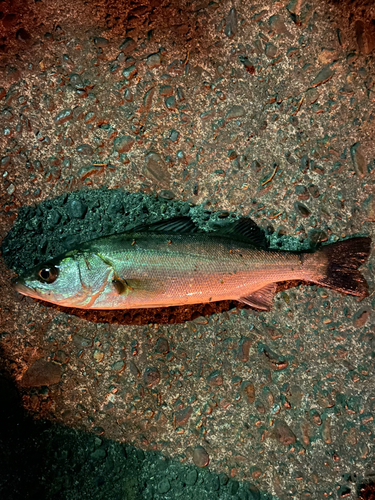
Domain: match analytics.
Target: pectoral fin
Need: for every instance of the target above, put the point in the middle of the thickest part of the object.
(140, 286)
(261, 298)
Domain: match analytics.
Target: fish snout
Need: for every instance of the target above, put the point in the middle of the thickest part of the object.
(18, 285)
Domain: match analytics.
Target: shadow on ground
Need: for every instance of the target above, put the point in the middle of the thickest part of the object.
(43, 460)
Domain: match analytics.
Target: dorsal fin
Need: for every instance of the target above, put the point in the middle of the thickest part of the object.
(179, 225)
(246, 230)
(243, 229)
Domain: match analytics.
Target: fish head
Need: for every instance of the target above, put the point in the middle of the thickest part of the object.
(57, 281)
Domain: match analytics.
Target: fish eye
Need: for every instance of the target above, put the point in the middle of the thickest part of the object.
(48, 274)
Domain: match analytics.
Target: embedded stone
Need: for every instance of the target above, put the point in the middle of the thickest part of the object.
(64, 116)
(85, 149)
(358, 159)
(283, 433)
(151, 376)
(248, 389)
(236, 111)
(200, 457)
(41, 372)
(123, 144)
(128, 45)
(182, 416)
(215, 378)
(323, 76)
(156, 169)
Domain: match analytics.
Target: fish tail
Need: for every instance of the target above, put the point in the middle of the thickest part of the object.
(343, 259)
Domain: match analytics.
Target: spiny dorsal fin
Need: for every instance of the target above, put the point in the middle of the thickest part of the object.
(243, 229)
(246, 230)
(178, 225)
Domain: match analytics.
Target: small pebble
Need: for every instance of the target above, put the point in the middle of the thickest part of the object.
(77, 209)
(231, 23)
(200, 456)
(85, 149)
(128, 45)
(151, 376)
(123, 144)
(164, 486)
(64, 116)
(153, 60)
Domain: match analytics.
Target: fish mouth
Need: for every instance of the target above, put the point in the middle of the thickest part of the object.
(19, 285)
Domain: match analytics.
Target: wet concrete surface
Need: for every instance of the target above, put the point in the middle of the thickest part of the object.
(124, 113)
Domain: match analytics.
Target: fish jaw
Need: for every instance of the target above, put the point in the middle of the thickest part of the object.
(20, 287)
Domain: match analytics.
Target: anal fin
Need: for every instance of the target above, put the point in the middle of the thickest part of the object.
(261, 298)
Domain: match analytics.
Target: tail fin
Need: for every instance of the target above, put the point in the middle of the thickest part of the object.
(344, 259)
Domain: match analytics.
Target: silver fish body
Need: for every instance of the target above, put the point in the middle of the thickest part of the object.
(159, 268)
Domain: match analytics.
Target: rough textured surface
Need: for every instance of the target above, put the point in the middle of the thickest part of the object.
(122, 113)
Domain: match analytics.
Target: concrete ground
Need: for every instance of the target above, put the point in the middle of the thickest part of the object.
(117, 113)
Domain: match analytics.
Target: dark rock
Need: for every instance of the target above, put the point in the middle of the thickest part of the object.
(164, 486)
(301, 192)
(244, 348)
(283, 433)
(166, 194)
(128, 96)
(151, 376)
(128, 45)
(89, 171)
(64, 116)
(358, 160)
(174, 135)
(170, 102)
(153, 60)
(123, 144)
(270, 50)
(301, 209)
(276, 23)
(77, 209)
(41, 372)
(100, 41)
(323, 76)
(76, 81)
(90, 117)
(166, 90)
(235, 111)
(215, 378)
(254, 493)
(85, 149)
(156, 169)
(250, 68)
(361, 317)
(231, 23)
(5, 161)
(313, 190)
(182, 416)
(191, 477)
(162, 345)
(129, 72)
(248, 389)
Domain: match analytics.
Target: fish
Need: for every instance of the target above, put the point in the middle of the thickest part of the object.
(171, 263)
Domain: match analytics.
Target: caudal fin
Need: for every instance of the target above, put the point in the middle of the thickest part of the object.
(344, 259)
